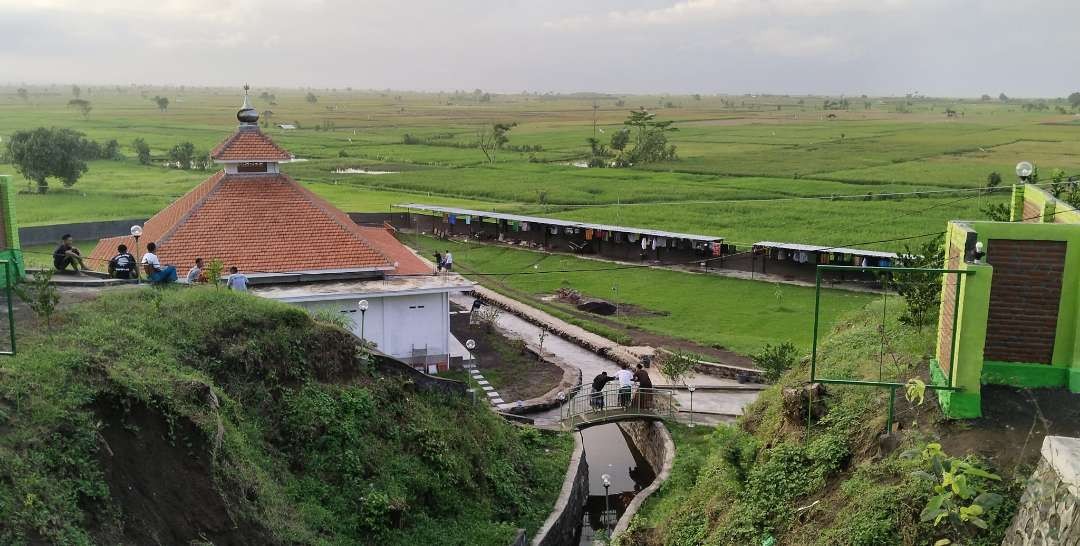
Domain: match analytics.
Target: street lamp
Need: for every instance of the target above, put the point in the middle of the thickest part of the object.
(691, 388)
(470, 345)
(1024, 170)
(136, 232)
(363, 306)
(606, 479)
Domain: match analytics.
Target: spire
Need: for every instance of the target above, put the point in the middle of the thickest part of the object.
(247, 114)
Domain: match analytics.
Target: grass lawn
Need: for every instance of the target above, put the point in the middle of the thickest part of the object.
(736, 314)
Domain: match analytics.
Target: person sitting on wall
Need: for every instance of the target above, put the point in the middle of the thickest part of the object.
(67, 255)
(237, 280)
(598, 383)
(123, 265)
(197, 274)
(157, 273)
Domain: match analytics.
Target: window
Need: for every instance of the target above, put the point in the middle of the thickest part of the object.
(251, 167)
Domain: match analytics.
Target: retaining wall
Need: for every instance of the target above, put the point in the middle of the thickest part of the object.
(39, 235)
(562, 525)
(655, 444)
(1048, 513)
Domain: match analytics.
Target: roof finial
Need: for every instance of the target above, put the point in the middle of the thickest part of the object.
(247, 114)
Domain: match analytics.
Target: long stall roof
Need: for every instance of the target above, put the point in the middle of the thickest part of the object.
(557, 222)
(815, 248)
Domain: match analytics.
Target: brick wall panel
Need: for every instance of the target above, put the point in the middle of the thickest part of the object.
(1024, 299)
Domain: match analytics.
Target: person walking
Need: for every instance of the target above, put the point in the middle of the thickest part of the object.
(448, 261)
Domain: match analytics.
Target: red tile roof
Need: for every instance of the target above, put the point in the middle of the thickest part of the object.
(249, 144)
(408, 263)
(264, 223)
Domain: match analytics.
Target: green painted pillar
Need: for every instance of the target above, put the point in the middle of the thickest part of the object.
(1016, 210)
(12, 251)
(971, 316)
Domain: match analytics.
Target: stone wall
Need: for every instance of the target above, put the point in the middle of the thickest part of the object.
(562, 525)
(38, 235)
(1025, 295)
(654, 442)
(1048, 514)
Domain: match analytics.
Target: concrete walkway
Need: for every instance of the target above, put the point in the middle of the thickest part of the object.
(710, 406)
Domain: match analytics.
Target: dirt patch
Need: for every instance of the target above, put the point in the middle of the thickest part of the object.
(516, 375)
(1014, 423)
(160, 477)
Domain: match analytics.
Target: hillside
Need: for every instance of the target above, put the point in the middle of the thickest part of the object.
(765, 479)
(206, 416)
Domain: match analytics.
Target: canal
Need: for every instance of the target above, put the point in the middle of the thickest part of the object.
(612, 455)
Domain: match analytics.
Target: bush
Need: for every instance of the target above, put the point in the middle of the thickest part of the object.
(774, 360)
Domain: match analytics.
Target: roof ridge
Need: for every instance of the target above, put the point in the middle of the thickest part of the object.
(334, 212)
(218, 151)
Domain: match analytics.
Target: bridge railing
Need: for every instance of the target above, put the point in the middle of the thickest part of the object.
(584, 406)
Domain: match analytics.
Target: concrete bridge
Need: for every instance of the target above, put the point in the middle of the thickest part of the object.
(584, 408)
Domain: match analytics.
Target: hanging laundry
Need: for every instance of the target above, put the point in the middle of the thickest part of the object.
(588, 234)
(453, 219)
(632, 237)
(468, 220)
(644, 243)
(554, 230)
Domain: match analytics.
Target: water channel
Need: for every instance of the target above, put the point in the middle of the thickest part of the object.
(609, 452)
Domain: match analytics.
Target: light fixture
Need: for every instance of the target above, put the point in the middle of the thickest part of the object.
(1024, 169)
(362, 305)
(470, 344)
(136, 231)
(606, 479)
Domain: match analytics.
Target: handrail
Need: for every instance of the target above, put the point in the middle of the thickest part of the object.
(584, 407)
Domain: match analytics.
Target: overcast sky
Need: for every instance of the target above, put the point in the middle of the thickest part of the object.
(936, 47)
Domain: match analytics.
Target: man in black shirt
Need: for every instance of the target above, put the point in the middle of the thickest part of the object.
(598, 383)
(66, 256)
(122, 266)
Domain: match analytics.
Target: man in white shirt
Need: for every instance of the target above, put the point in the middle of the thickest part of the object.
(157, 273)
(626, 385)
(237, 281)
(195, 274)
(448, 261)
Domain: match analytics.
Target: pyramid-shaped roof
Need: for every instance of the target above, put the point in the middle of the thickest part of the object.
(248, 143)
(261, 223)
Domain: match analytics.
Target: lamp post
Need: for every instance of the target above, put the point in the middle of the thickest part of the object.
(607, 506)
(1024, 170)
(691, 389)
(136, 232)
(363, 306)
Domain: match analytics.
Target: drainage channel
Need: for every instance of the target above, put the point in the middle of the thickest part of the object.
(610, 453)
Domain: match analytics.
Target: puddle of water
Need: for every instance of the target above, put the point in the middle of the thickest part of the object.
(362, 171)
(609, 452)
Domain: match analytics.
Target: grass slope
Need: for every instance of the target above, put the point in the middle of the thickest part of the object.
(204, 415)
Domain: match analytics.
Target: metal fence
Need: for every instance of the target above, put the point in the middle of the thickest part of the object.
(584, 407)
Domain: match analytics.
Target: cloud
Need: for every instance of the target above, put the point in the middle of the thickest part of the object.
(788, 43)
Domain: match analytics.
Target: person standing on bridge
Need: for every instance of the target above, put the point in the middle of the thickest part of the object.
(598, 383)
(626, 385)
(643, 382)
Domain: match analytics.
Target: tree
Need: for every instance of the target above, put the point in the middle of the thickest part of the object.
(311, 98)
(997, 212)
(40, 295)
(490, 140)
(82, 105)
(1057, 182)
(142, 149)
(993, 179)
(75, 91)
(45, 153)
(620, 139)
(162, 103)
(598, 153)
(984, 98)
(675, 366)
(1074, 99)
(183, 155)
(23, 94)
(1003, 97)
(921, 290)
(650, 139)
(774, 360)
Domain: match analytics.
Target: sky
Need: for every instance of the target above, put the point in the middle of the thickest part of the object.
(876, 47)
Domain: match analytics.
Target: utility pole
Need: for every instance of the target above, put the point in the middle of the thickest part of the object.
(595, 109)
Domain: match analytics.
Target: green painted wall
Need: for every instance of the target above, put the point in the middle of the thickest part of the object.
(1053, 209)
(11, 250)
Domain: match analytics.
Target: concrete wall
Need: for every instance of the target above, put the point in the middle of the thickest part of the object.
(1035, 205)
(654, 442)
(1048, 514)
(562, 525)
(38, 235)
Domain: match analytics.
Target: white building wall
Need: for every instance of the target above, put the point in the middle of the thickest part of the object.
(398, 324)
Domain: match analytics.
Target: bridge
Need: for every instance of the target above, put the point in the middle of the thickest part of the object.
(584, 408)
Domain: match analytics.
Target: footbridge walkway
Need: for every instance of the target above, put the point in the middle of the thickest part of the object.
(584, 408)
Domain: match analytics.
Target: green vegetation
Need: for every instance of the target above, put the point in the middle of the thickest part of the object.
(736, 150)
(205, 415)
(766, 477)
(714, 311)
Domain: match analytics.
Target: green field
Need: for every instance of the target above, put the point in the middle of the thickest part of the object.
(736, 150)
(735, 314)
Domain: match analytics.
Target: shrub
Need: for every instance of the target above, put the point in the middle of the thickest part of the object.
(774, 360)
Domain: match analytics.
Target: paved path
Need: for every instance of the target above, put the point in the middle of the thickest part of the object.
(720, 406)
